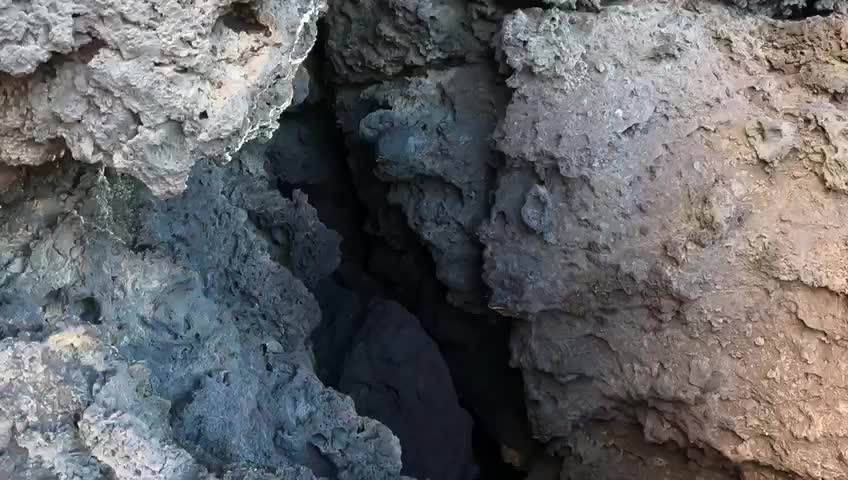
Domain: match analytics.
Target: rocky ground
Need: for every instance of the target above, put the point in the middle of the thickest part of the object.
(487, 239)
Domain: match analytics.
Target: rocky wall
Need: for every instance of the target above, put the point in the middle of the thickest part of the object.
(146, 87)
(668, 228)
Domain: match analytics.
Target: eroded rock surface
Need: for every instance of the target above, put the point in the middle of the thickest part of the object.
(373, 40)
(652, 193)
(168, 339)
(430, 141)
(418, 99)
(146, 87)
(670, 226)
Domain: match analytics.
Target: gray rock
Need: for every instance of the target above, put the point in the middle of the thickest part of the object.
(430, 139)
(146, 88)
(372, 40)
(172, 336)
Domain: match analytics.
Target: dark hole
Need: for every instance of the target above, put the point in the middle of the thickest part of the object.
(88, 310)
(510, 5)
(242, 18)
(807, 10)
(88, 51)
(488, 454)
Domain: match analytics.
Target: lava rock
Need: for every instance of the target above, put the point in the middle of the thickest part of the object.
(146, 87)
(163, 339)
(679, 269)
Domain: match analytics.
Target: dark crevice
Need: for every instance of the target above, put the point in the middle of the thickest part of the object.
(589, 6)
(242, 18)
(510, 5)
(789, 10)
(87, 52)
(87, 309)
(474, 347)
(810, 8)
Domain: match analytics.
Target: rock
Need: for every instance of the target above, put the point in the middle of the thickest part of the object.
(373, 40)
(647, 199)
(417, 101)
(146, 88)
(618, 452)
(395, 373)
(672, 272)
(172, 334)
(430, 138)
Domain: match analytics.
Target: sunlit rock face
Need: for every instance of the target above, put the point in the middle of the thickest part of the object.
(146, 87)
(671, 228)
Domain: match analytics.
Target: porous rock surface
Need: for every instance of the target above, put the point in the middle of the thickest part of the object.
(366, 346)
(146, 87)
(666, 226)
(430, 138)
(653, 193)
(670, 228)
(417, 97)
(417, 100)
(373, 40)
(157, 339)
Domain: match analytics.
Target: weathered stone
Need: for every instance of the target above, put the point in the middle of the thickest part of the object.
(146, 87)
(680, 266)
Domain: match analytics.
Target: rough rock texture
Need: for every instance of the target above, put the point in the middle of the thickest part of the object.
(655, 199)
(366, 346)
(670, 227)
(146, 87)
(168, 339)
(430, 138)
(618, 450)
(372, 40)
(417, 101)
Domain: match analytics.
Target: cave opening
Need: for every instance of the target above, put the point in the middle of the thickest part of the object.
(381, 284)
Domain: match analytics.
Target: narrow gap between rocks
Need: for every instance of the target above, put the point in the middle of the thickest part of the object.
(374, 288)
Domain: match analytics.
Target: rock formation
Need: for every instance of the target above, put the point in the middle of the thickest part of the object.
(647, 199)
(427, 133)
(146, 87)
(664, 226)
(668, 226)
(158, 339)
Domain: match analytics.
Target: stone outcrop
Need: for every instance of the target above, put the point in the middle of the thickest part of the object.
(664, 225)
(668, 229)
(163, 339)
(648, 199)
(147, 88)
